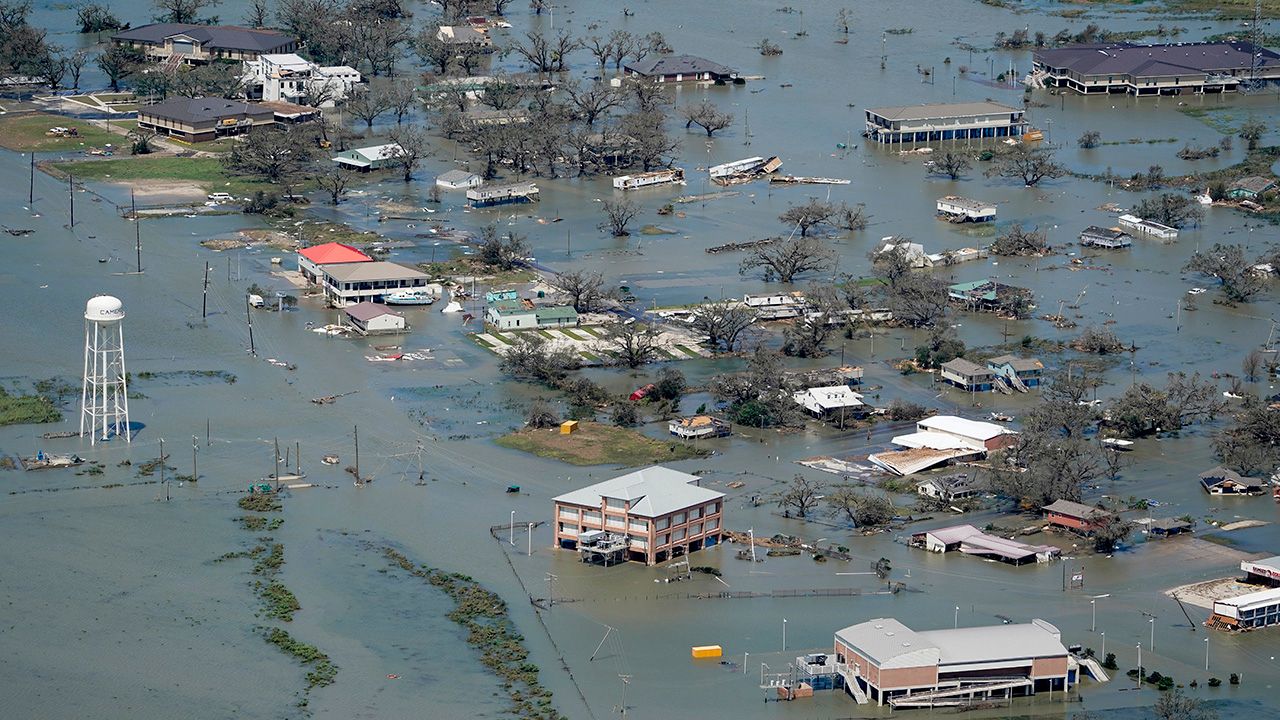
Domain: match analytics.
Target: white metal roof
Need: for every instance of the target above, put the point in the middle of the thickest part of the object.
(1251, 600)
(654, 491)
(993, 643)
(963, 427)
(890, 644)
(933, 441)
(1266, 566)
(829, 397)
(939, 111)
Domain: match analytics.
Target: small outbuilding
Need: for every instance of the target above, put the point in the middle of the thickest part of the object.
(1168, 527)
(949, 487)
(458, 180)
(374, 319)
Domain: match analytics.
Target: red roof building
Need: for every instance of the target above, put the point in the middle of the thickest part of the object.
(311, 258)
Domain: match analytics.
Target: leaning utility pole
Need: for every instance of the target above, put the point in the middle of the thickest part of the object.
(204, 300)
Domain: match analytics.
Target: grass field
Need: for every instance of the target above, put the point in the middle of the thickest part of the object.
(23, 409)
(27, 132)
(206, 173)
(598, 444)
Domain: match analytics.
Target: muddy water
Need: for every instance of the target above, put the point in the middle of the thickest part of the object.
(117, 610)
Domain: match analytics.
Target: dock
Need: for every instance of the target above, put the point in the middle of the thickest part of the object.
(801, 180)
(489, 196)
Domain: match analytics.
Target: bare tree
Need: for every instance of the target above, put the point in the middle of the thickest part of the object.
(807, 335)
(258, 14)
(274, 156)
(1252, 365)
(600, 49)
(807, 215)
(334, 179)
(1017, 241)
(368, 104)
(618, 213)
(592, 100)
(723, 321)
(917, 299)
(538, 6)
(953, 165)
(402, 97)
(706, 116)
(1031, 165)
(1089, 139)
(75, 65)
(861, 508)
(184, 11)
(411, 144)
(844, 18)
(624, 44)
(546, 55)
(1176, 705)
(851, 218)
(584, 288)
(648, 96)
(433, 51)
(801, 495)
(785, 259)
(631, 344)
(1235, 273)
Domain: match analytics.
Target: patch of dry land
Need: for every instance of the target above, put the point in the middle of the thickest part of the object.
(599, 444)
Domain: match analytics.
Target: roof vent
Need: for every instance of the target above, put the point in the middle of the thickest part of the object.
(889, 634)
(906, 644)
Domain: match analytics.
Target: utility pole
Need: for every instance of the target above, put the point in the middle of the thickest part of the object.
(529, 550)
(137, 241)
(195, 470)
(71, 197)
(204, 300)
(356, 434)
(249, 316)
(31, 186)
(277, 463)
(162, 480)
(206, 432)
(551, 593)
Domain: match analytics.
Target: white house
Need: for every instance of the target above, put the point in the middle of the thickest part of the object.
(290, 78)
(370, 158)
(371, 319)
(822, 401)
(912, 252)
(458, 180)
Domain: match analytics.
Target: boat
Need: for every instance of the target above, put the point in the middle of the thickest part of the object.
(383, 358)
(1000, 417)
(1032, 135)
(60, 434)
(410, 297)
(44, 461)
(329, 459)
(1118, 444)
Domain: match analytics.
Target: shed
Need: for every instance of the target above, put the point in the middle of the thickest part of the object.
(1109, 238)
(458, 180)
(568, 427)
(373, 319)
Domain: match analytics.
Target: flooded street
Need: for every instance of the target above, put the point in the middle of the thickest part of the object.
(116, 605)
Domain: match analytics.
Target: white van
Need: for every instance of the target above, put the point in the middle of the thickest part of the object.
(221, 197)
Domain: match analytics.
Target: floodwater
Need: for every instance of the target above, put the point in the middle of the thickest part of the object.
(115, 608)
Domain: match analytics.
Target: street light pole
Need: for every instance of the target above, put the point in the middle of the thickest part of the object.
(511, 535)
(1104, 645)
(1152, 622)
(529, 552)
(1206, 653)
(1093, 605)
(784, 634)
(957, 619)
(1139, 678)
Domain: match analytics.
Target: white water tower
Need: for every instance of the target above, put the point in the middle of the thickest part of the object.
(104, 401)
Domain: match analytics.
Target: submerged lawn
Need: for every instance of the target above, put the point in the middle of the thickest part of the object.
(205, 172)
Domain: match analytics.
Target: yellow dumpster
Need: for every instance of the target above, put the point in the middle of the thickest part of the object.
(702, 652)
(568, 427)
